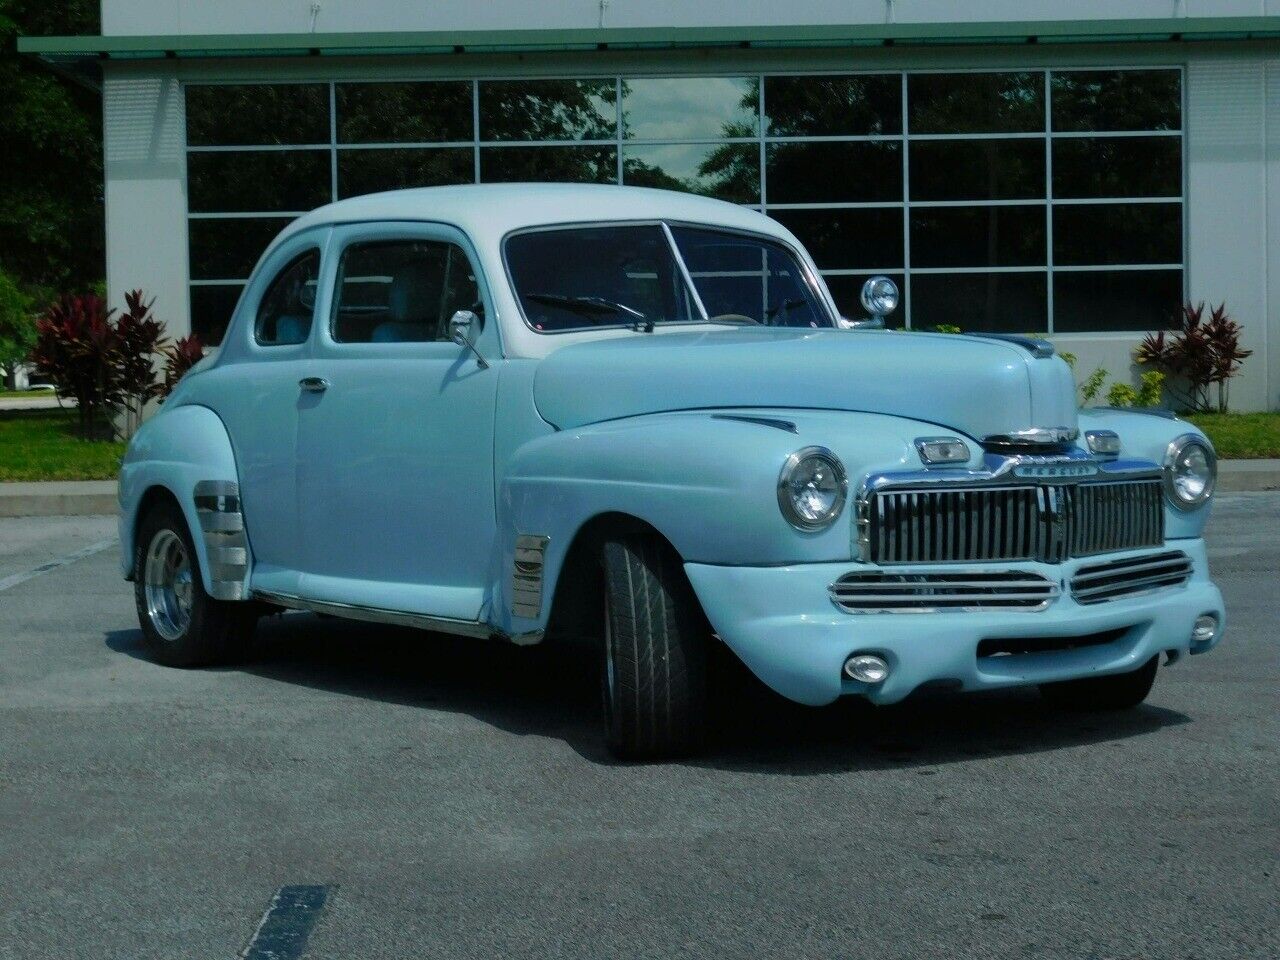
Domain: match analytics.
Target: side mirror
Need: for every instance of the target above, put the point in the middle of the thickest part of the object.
(461, 327)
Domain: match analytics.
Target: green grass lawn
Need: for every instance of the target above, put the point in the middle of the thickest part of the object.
(1241, 436)
(42, 445)
(21, 394)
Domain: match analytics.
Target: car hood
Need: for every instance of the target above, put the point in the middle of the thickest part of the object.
(976, 386)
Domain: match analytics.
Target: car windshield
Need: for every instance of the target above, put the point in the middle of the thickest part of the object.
(627, 275)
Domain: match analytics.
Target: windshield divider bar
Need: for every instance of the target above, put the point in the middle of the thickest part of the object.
(684, 269)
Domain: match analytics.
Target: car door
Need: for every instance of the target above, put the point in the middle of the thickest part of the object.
(395, 456)
(258, 398)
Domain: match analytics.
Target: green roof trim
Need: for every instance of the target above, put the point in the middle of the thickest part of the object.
(223, 46)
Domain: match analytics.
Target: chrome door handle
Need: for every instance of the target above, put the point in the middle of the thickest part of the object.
(314, 384)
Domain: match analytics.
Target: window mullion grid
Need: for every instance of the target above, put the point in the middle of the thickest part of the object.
(1048, 201)
(760, 131)
(333, 141)
(617, 123)
(475, 131)
(1182, 192)
(906, 210)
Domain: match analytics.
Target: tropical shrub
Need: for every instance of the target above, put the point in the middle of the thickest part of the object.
(78, 348)
(140, 338)
(1089, 388)
(1148, 394)
(1199, 357)
(180, 357)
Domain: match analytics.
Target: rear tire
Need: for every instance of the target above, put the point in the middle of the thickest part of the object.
(1121, 691)
(182, 625)
(654, 651)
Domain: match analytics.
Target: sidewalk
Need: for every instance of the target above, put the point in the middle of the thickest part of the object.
(40, 401)
(89, 497)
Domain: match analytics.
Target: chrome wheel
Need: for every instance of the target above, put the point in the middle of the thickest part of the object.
(169, 586)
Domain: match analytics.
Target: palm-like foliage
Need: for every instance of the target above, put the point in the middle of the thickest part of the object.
(180, 357)
(141, 338)
(78, 348)
(1198, 356)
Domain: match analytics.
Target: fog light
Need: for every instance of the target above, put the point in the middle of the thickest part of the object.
(867, 668)
(1206, 629)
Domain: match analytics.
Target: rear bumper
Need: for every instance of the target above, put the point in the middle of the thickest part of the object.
(782, 624)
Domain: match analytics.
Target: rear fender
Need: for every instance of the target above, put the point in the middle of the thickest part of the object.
(185, 452)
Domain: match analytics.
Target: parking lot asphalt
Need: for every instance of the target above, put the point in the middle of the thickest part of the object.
(454, 800)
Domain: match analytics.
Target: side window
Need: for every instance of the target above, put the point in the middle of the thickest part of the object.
(284, 315)
(401, 291)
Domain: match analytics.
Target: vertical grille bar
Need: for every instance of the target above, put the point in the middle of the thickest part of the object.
(1049, 522)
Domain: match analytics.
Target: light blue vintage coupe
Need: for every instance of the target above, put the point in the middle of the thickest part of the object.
(537, 411)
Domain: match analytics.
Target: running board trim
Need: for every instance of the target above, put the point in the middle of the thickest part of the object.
(399, 618)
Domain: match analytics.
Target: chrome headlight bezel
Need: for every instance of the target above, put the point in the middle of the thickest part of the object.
(1173, 454)
(785, 475)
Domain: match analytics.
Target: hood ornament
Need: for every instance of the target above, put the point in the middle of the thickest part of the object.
(1034, 439)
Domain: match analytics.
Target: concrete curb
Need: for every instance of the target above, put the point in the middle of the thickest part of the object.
(58, 498)
(1247, 476)
(82, 498)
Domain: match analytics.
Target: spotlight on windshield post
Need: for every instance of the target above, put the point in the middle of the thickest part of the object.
(879, 298)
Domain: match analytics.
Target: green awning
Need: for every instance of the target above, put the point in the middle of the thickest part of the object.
(411, 43)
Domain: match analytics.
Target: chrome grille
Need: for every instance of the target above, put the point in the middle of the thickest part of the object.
(882, 592)
(1046, 522)
(1099, 582)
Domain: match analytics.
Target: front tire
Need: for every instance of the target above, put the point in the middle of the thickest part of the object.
(182, 626)
(1121, 691)
(655, 651)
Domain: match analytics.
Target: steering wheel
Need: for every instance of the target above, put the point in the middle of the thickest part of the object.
(734, 318)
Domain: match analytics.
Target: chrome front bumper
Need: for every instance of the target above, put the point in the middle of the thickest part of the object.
(784, 625)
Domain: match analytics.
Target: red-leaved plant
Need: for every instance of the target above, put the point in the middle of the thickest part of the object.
(141, 338)
(78, 348)
(1198, 356)
(181, 356)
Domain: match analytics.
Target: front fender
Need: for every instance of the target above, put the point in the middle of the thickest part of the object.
(186, 452)
(703, 479)
(1146, 436)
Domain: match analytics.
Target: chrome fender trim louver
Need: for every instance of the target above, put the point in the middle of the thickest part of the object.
(1130, 577)
(526, 575)
(960, 590)
(222, 526)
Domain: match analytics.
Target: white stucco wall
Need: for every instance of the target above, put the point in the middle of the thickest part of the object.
(1234, 185)
(145, 171)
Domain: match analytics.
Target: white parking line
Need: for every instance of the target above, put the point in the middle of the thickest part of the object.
(17, 578)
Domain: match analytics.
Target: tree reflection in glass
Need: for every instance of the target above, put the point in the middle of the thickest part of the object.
(555, 110)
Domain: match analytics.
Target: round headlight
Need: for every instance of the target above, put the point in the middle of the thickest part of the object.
(812, 488)
(1190, 471)
(879, 296)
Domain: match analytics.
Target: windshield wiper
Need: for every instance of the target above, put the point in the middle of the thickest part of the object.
(597, 306)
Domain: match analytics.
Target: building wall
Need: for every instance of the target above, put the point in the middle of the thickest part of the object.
(135, 17)
(146, 200)
(1232, 157)
(1233, 162)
